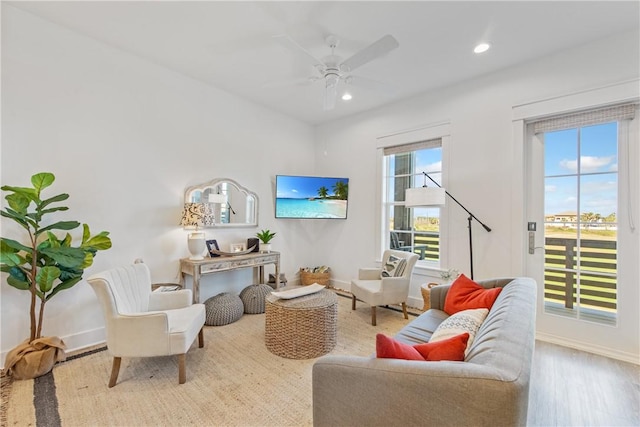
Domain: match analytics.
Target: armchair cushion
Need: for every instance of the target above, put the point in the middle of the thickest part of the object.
(465, 294)
(170, 300)
(393, 267)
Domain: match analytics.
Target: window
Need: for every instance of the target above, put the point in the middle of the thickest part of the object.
(581, 197)
(411, 229)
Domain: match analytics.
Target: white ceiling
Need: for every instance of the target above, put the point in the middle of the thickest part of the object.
(229, 44)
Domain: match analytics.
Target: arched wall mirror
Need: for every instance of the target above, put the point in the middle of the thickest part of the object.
(233, 205)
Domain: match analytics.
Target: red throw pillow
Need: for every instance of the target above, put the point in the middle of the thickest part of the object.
(465, 294)
(450, 349)
(388, 348)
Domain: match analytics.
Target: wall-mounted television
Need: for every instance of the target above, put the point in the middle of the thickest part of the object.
(311, 197)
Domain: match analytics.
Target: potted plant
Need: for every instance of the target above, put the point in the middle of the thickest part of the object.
(265, 237)
(44, 265)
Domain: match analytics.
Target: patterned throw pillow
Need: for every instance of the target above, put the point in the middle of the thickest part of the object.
(394, 267)
(461, 322)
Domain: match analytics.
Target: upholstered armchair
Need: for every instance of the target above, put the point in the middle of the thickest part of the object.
(142, 323)
(386, 285)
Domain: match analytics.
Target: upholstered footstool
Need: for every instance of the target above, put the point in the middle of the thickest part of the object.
(223, 309)
(253, 298)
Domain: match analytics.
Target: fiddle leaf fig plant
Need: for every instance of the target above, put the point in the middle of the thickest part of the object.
(44, 264)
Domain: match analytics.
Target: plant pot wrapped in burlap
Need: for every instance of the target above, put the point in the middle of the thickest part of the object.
(35, 358)
(319, 275)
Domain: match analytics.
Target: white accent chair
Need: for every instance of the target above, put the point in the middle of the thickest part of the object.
(370, 288)
(142, 323)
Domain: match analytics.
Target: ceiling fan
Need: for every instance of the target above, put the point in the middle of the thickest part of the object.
(333, 70)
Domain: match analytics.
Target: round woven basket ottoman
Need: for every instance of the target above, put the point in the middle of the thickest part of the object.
(253, 298)
(223, 309)
(303, 327)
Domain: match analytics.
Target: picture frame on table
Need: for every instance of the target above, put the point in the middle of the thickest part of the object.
(211, 246)
(237, 247)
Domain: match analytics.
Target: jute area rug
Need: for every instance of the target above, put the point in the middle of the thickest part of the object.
(233, 381)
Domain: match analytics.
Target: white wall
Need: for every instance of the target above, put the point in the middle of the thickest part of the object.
(483, 163)
(124, 138)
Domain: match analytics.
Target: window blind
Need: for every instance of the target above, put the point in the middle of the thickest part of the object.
(414, 146)
(585, 118)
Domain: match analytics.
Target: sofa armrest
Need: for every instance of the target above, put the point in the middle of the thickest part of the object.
(437, 296)
(350, 390)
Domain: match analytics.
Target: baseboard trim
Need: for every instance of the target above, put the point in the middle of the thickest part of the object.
(589, 348)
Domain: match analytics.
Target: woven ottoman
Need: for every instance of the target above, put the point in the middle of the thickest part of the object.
(303, 327)
(223, 309)
(253, 298)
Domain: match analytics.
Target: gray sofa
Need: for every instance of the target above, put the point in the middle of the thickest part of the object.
(490, 388)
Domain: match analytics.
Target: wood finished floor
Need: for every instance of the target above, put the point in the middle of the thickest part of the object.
(575, 388)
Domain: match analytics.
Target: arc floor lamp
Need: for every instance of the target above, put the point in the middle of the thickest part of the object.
(431, 196)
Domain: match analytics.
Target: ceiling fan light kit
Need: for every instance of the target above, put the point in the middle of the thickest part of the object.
(332, 69)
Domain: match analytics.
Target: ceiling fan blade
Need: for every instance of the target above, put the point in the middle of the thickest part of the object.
(292, 45)
(369, 53)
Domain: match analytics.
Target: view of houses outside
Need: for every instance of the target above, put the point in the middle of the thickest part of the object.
(581, 199)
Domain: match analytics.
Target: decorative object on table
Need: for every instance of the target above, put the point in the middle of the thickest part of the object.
(426, 295)
(196, 215)
(212, 247)
(234, 253)
(237, 247)
(311, 275)
(253, 297)
(265, 237)
(429, 196)
(298, 291)
(272, 280)
(58, 266)
(449, 275)
(253, 242)
(223, 309)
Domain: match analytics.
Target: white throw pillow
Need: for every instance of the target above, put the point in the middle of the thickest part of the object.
(459, 323)
(393, 267)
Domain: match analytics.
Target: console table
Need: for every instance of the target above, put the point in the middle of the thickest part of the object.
(255, 260)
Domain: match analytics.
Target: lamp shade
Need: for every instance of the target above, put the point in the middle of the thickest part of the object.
(197, 215)
(217, 198)
(424, 196)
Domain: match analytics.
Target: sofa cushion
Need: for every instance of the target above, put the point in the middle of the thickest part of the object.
(388, 348)
(464, 321)
(393, 267)
(448, 349)
(466, 294)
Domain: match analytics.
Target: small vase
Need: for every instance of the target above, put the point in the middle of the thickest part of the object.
(265, 247)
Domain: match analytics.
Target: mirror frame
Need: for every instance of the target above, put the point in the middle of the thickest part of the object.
(213, 183)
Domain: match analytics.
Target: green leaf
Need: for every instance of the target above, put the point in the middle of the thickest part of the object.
(62, 286)
(18, 202)
(65, 256)
(52, 210)
(18, 284)
(42, 180)
(99, 242)
(58, 198)
(45, 278)
(10, 245)
(62, 225)
(27, 192)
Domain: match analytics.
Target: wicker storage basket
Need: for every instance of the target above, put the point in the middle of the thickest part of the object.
(426, 295)
(307, 278)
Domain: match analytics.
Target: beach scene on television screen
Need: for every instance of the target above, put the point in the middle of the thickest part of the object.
(311, 197)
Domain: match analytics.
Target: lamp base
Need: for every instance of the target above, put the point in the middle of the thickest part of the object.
(195, 243)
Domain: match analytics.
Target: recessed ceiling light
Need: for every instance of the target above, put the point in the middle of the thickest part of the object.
(347, 96)
(482, 47)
